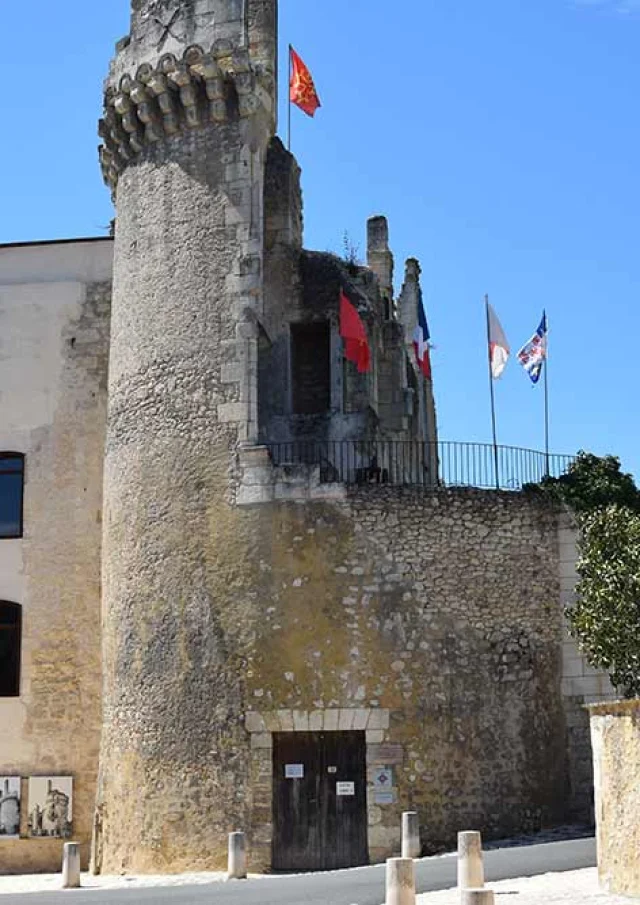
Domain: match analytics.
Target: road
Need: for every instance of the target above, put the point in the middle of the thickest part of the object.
(361, 886)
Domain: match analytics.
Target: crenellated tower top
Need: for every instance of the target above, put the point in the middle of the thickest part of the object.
(184, 65)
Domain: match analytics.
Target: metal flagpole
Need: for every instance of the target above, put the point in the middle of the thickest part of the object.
(493, 400)
(289, 94)
(546, 395)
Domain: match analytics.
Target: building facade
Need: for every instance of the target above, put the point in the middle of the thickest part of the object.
(235, 592)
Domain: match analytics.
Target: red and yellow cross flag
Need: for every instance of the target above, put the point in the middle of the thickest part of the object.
(302, 91)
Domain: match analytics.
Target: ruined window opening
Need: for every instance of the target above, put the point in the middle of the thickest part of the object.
(10, 644)
(232, 100)
(11, 494)
(311, 368)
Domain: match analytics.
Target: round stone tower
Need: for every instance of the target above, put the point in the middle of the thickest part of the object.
(190, 109)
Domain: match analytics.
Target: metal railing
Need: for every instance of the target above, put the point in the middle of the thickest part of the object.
(416, 463)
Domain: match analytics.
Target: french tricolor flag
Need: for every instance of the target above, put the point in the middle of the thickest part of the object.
(421, 337)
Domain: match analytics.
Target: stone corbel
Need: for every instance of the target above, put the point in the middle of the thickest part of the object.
(248, 105)
(218, 111)
(158, 84)
(244, 82)
(146, 111)
(181, 76)
(114, 135)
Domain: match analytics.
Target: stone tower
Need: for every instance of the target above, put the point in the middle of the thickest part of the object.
(190, 109)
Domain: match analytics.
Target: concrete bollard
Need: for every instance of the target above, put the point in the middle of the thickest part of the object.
(478, 897)
(71, 865)
(237, 864)
(470, 867)
(401, 882)
(410, 835)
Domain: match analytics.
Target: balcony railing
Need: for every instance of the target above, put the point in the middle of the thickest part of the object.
(415, 463)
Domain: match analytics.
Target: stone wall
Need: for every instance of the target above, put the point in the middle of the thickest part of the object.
(54, 323)
(431, 622)
(615, 732)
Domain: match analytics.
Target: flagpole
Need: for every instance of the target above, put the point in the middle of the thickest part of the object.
(493, 400)
(546, 397)
(289, 95)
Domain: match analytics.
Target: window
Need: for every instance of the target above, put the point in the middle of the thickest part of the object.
(311, 368)
(10, 642)
(11, 484)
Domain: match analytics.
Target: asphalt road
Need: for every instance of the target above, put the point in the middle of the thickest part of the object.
(361, 886)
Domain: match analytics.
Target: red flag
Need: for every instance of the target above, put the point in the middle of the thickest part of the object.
(302, 91)
(356, 345)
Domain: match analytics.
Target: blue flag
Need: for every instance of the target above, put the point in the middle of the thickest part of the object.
(533, 354)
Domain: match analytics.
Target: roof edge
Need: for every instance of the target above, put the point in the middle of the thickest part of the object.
(41, 242)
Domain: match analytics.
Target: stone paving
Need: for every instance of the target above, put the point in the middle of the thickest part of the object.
(576, 887)
(51, 882)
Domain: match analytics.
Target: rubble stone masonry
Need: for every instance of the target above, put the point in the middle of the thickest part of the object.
(431, 621)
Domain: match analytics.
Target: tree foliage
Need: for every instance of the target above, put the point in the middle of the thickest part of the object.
(593, 482)
(605, 620)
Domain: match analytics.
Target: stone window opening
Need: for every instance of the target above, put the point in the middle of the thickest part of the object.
(232, 100)
(10, 648)
(311, 368)
(11, 494)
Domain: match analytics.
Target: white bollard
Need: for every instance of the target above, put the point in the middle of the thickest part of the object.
(401, 882)
(237, 864)
(470, 867)
(71, 865)
(410, 835)
(478, 897)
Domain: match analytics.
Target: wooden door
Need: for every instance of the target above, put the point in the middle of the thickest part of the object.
(319, 800)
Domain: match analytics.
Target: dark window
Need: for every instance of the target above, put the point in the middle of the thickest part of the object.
(11, 484)
(311, 368)
(10, 633)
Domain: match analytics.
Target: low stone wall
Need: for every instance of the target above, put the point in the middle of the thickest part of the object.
(615, 736)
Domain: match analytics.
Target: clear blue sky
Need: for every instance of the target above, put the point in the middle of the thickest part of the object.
(501, 138)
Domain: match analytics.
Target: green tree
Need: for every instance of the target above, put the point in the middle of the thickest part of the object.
(592, 482)
(605, 620)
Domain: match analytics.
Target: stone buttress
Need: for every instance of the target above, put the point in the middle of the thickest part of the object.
(189, 113)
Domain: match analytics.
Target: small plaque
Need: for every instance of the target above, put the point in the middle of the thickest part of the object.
(384, 797)
(385, 754)
(383, 778)
(332, 769)
(346, 788)
(294, 771)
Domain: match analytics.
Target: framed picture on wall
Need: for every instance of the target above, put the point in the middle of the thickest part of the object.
(50, 806)
(9, 807)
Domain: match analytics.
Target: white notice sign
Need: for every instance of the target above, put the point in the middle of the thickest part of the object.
(294, 771)
(345, 788)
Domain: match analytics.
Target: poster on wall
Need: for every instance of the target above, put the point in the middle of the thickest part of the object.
(9, 807)
(50, 806)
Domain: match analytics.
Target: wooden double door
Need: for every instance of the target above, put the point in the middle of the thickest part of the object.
(319, 800)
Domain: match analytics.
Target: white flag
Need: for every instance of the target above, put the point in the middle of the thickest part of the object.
(499, 350)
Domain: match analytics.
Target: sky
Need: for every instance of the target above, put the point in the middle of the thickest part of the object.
(500, 137)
